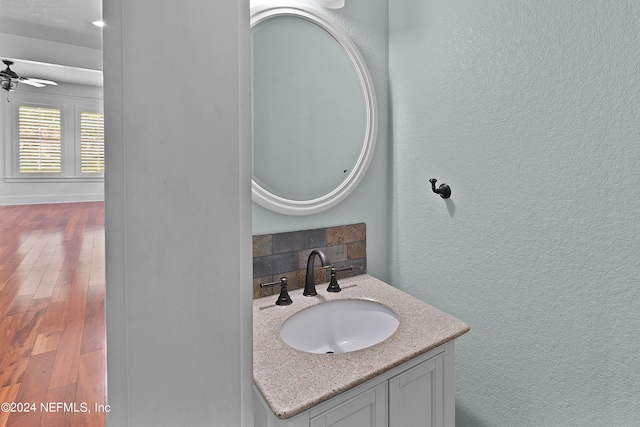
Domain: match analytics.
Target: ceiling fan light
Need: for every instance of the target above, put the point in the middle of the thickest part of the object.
(8, 83)
(8, 78)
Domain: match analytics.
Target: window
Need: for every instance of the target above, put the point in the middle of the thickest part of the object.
(54, 138)
(39, 140)
(91, 142)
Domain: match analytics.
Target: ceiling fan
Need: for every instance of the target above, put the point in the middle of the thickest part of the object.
(9, 79)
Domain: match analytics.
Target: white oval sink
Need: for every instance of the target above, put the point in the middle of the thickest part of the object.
(339, 326)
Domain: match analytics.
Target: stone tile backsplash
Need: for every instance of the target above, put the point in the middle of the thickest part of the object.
(286, 254)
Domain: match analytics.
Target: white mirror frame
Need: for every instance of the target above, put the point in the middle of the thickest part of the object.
(281, 205)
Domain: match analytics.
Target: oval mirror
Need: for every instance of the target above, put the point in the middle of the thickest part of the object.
(314, 114)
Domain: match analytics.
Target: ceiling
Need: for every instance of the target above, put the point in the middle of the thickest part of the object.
(58, 21)
(55, 72)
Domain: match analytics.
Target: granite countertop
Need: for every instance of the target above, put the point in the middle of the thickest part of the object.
(292, 381)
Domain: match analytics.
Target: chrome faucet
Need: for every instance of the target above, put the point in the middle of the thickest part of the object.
(310, 282)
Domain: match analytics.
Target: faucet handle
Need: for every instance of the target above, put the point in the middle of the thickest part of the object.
(283, 298)
(326, 267)
(333, 284)
(278, 282)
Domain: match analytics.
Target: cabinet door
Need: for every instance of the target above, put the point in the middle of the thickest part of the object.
(416, 396)
(368, 409)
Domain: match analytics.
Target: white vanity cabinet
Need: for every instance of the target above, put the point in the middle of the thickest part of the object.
(420, 392)
(416, 396)
(367, 409)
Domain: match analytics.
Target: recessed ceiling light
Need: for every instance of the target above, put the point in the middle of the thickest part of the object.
(98, 23)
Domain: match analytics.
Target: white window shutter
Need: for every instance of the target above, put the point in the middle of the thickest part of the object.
(39, 138)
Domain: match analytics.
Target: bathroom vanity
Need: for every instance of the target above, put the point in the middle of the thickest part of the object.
(386, 362)
(407, 379)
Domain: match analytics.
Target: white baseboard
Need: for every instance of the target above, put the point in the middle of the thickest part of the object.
(50, 198)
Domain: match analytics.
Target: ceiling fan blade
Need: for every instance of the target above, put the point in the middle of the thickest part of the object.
(31, 83)
(41, 81)
(36, 82)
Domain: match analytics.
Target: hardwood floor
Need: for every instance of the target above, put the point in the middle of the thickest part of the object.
(52, 321)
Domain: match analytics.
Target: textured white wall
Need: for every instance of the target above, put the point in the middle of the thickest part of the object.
(530, 111)
(366, 23)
